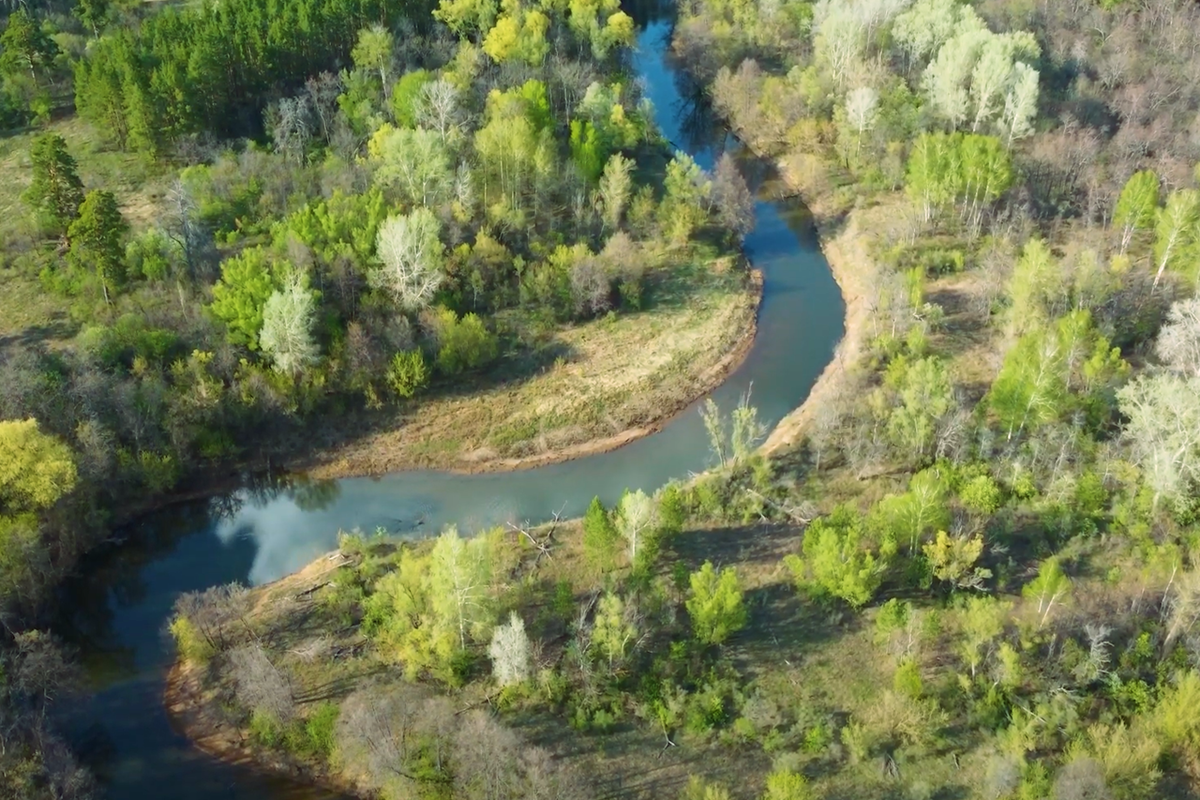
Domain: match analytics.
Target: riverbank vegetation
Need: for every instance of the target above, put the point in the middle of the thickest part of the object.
(376, 237)
(973, 573)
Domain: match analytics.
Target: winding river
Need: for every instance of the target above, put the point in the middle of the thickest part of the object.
(118, 612)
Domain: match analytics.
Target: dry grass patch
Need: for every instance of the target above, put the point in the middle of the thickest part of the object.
(617, 378)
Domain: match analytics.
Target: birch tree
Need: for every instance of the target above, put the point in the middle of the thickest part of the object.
(411, 259)
(1020, 103)
(460, 575)
(1137, 207)
(926, 25)
(439, 108)
(1177, 230)
(509, 652)
(615, 184)
(1179, 340)
(287, 332)
(413, 164)
(1163, 430)
(637, 520)
(1051, 588)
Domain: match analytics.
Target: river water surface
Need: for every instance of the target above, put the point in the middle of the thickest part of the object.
(118, 612)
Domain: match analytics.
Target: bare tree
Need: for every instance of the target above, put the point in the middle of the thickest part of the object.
(1081, 779)
(260, 686)
(213, 611)
(591, 288)
(291, 122)
(509, 652)
(438, 108)
(323, 91)
(1179, 340)
(732, 198)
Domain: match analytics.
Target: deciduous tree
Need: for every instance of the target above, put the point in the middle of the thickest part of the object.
(289, 316)
(36, 468)
(411, 259)
(715, 604)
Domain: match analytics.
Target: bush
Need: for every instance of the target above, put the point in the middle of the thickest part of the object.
(463, 344)
(313, 737)
(408, 373)
(193, 647)
(265, 730)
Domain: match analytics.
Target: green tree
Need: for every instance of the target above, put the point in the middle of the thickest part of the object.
(614, 630)
(838, 560)
(600, 536)
(97, 239)
(784, 784)
(373, 52)
(1177, 232)
(925, 396)
(463, 344)
(1137, 206)
(468, 17)
(408, 373)
(1050, 588)
(952, 559)
(289, 316)
(55, 191)
(36, 468)
(915, 514)
(25, 45)
(715, 604)
(615, 184)
(412, 163)
(406, 94)
(687, 189)
(94, 14)
(240, 294)
(460, 576)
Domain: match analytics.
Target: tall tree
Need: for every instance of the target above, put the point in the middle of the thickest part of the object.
(411, 259)
(615, 184)
(97, 240)
(1179, 339)
(1163, 428)
(55, 191)
(239, 295)
(1177, 231)
(374, 51)
(460, 575)
(94, 14)
(24, 45)
(731, 197)
(1137, 206)
(287, 331)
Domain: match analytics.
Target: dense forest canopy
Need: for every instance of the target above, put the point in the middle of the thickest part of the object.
(257, 218)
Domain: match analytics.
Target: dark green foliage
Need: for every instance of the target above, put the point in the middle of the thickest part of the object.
(25, 45)
(192, 69)
(55, 192)
(97, 240)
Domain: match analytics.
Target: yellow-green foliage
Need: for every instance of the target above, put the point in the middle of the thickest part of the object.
(193, 647)
(35, 469)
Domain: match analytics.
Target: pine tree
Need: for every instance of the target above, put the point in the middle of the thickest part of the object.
(600, 536)
(56, 191)
(24, 45)
(97, 240)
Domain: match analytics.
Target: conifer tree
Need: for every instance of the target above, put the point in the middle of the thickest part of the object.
(56, 191)
(97, 240)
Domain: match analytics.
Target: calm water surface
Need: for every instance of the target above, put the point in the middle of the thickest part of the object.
(118, 613)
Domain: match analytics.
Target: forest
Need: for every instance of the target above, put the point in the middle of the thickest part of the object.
(967, 568)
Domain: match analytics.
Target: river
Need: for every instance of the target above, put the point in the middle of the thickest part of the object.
(116, 615)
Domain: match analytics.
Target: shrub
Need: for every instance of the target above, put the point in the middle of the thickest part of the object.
(408, 373)
(193, 647)
(265, 730)
(463, 344)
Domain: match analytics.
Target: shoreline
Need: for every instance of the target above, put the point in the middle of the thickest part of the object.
(338, 464)
(845, 251)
